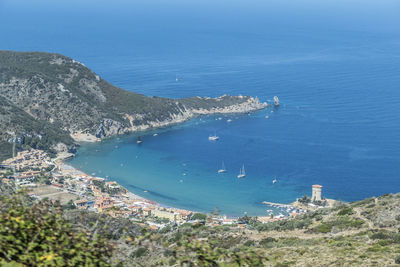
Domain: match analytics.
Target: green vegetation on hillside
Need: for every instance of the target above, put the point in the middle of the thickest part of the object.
(38, 235)
(355, 234)
(36, 134)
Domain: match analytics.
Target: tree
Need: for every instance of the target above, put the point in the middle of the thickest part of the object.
(245, 219)
(304, 199)
(199, 216)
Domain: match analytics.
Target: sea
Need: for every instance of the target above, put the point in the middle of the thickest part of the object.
(335, 66)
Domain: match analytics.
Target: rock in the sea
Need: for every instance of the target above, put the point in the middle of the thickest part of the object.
(276, 101)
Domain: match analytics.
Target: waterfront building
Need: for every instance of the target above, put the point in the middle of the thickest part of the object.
(164, 214)
(103, 203)
(81, 204)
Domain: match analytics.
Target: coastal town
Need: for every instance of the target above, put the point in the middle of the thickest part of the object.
(53, 179)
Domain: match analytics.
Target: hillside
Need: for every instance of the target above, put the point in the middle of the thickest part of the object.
(29, 132)
(362, 233)
(44, 94)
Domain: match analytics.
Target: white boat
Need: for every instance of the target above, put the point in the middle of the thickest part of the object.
(267, 117)
(213, 137)
(155, 134)
(223, 169)
(274, 181)
(139, 140)
(229, 120)
(276, 101)
(242, 173)
(176, 78)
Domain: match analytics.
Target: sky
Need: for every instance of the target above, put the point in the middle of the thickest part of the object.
(381, 15)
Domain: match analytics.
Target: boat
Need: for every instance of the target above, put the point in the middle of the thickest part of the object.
(274, 181)
(276, 101)
(155, 134)
(213, 137)
(267, 117)
(139, 140)
(176, 78)
(242, 173)
(223, 169)
(229, 120)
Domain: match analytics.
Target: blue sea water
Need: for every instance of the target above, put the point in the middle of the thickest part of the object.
(335, 65)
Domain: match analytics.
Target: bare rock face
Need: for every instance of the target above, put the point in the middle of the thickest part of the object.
(109, 127)
(61, 147)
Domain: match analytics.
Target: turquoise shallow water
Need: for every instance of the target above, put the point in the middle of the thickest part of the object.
(335, 66)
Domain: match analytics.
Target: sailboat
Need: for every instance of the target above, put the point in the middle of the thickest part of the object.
(213, 137)
(139, 140)
(274, 181)
(242, 173)
(223, 169)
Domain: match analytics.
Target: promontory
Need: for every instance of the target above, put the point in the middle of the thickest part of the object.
(49, 101)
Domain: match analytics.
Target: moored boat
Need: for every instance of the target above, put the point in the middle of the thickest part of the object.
(242, 173)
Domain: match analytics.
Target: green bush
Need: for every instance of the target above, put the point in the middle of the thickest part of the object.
(139, 252)
(323, 228)
(199, 216)
(266, 242)
(342, 222)
(301, 222)
(248, 243)
(346, 211)
(396, 238)
(380, 235)
(38, 235)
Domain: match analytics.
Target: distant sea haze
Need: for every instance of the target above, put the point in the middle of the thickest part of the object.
(336, 71)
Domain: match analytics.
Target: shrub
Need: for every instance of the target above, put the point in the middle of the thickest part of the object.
(38, 235)
(396, 238)
(346, 211)
(397, 260)
(298, 223)
(267, 241)
(248, 243)
(304, 199)
(141, 251)
(199, 216)
(166, 229)
(323, 228)
(380, 235)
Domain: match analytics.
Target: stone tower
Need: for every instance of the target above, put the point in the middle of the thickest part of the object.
(316, 192)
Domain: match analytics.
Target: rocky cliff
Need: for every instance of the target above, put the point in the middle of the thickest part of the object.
(62, 97)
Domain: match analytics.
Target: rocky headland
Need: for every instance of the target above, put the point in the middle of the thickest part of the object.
(50, 101)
